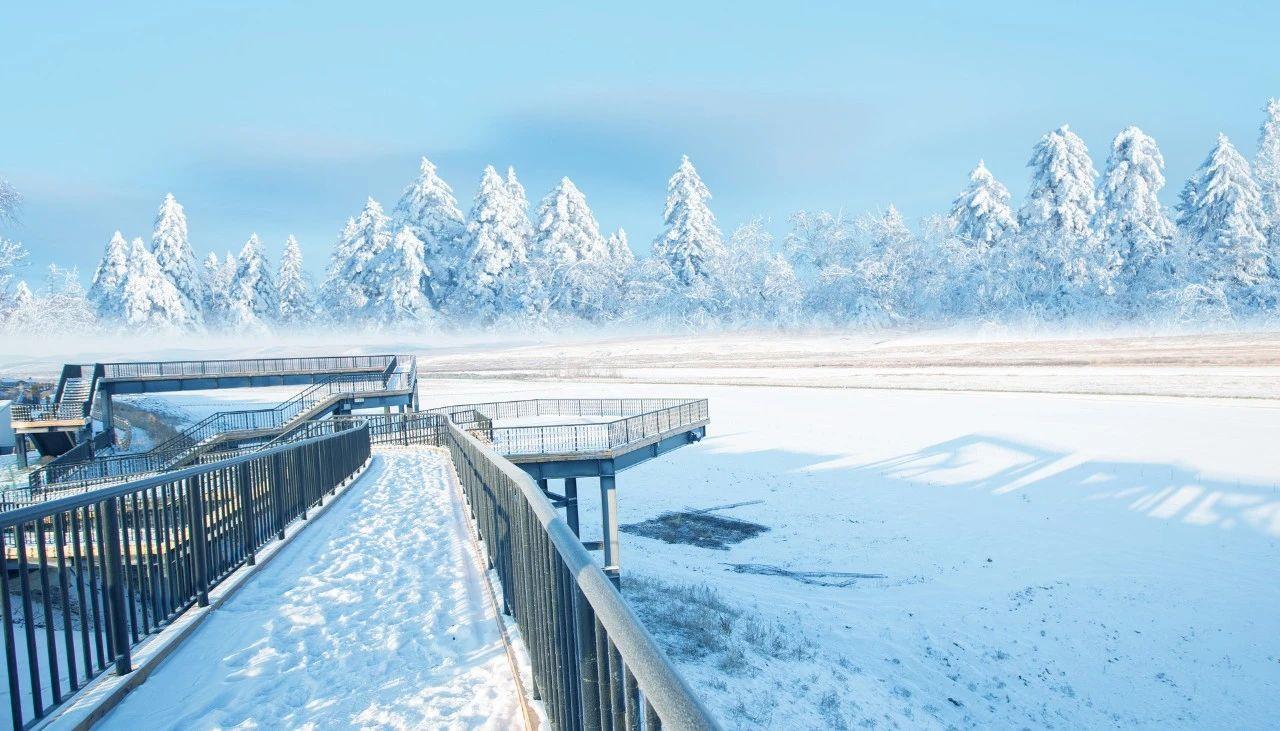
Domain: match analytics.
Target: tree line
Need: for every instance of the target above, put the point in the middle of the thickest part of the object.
(1082, 248)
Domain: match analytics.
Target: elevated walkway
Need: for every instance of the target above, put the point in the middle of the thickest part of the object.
(394, 385)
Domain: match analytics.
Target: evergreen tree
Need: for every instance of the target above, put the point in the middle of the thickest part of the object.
(427, 207)
(176, 260)
(346, 292)
(217, 275)
(493, 281)
(293, 286)
(1267, 169)
(1058, 257)
(151, 302)
(570, 258)
(1133, 229)
(690, 242)
(1222, 213)
(981, 214)
(399, 283)
(255, 303)
(106, 294)
(619, 249)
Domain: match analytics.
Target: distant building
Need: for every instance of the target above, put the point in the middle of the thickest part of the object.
(6, 428)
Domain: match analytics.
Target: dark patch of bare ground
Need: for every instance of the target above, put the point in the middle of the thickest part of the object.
(696, 528)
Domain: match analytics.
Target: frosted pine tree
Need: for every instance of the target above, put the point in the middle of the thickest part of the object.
(1267, 170)
(151, 302)
(620, 270)
(293, 287)
(21, 314)
(427, 207)
(106, 294)
(1222, 215)
(175, 258)
(346, 291)
(619, 249)
(399, 281)
(1059, 260)
(690, 242)
(492, 281)
(569, 257)
(981, 214)
(1133, 229)
(255, 303)
(217, 275)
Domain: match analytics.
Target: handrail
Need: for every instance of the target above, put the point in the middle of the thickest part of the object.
(593, 660)
(242, 366)
(133, 557)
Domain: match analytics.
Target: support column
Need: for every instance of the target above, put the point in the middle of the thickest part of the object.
(609, 522)
(20, 449)
(108, 415)
(571, 510)
(542, 485)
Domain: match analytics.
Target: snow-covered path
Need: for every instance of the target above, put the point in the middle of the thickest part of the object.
(374, 617)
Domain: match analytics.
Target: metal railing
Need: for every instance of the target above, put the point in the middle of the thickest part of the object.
(50, 412)
(223, 425)
(244, 366)
(418, 427)
(642, 420)
(98, 572)
(594, 664)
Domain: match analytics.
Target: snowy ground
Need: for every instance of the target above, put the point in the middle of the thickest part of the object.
(374, 617)
(1049, 560)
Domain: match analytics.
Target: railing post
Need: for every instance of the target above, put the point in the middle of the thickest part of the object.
(609, 520)
(277, 494)
(114, 585)
(200, 538)
(246, 511)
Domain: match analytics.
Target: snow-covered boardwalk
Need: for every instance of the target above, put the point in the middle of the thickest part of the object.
(375, 616)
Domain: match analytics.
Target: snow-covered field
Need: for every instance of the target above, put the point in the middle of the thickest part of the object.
(373, 617)
(1048, 560)
(1071, 533)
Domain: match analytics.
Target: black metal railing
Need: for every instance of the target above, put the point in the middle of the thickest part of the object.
(641, 421)
(92, 575)
(418, 427)
(244, 366)
(594, 664)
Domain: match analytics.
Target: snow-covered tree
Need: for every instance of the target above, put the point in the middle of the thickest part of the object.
(1059, 259)
(690, 242)
(493, 281)
(216, 275)
(427, 207)
(1222, 213)
(293, 287)
(21, 314)
(758, 285)
(151, 302)
(106, 294)
(981, 214)
(1267, 169)
(10, 199)
(255, 302)
(349, 284)
(398, 284)
(1133, 229)
(12, 253)
(619, 249)
(1061, 201)
(63, 294)
(569, 258)
(173, 254)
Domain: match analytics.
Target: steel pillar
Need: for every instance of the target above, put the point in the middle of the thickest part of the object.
(609, 523)
(108, 414)
(20, 449)
(571, 509)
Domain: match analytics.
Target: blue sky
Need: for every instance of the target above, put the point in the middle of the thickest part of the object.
(282, 117)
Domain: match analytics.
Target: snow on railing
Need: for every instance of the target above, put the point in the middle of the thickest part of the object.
(244, 366)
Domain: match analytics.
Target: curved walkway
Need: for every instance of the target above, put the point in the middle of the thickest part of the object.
(375, 617)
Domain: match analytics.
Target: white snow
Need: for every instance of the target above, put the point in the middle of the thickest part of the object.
(374, 617)
(1074, 561)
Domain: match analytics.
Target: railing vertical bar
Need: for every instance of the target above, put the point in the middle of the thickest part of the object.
(68, 636)
(46, 607)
